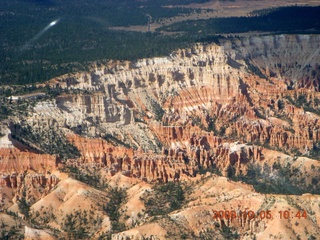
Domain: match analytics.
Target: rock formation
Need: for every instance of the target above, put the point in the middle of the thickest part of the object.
(241, 108)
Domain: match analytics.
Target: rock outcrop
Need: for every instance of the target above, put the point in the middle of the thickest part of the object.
(191, 107)
(245, 107)
(241, 82)
(14, 160)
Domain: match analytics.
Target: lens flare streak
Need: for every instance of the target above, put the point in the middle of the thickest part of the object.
(36, 37)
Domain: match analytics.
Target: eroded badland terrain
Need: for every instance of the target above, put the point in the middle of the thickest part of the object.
(150, 149)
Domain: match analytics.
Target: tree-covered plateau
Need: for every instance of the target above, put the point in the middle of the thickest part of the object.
(83, 33)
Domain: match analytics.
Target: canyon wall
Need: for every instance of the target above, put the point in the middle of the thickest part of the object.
(190, 108)
(246, 107)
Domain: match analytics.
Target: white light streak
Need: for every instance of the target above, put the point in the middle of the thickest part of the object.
(50, 25)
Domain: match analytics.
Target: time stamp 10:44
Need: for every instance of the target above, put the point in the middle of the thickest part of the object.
(264, 214)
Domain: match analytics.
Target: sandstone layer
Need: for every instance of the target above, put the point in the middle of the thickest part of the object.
(246, 109)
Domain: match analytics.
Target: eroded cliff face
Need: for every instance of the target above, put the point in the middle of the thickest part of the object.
(242, 90)
(246, 106)
(293, 59)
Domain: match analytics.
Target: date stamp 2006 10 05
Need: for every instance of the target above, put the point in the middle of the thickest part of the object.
(263, 214)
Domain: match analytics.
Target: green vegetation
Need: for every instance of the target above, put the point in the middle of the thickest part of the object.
(254, 69)
(10, 108)
(81, 224)
(313, 105)
(229, 233)
(115, 141)
(4, 112)
(164, 199)
(212, 125)
(284, 20)
(157, 109)
(85, 33)
(212, 122)
(23, 205)
(208, 233)
(280, 104)
(23, 106)
(315, 151)
(213, 169)
(42, 219)
(258, 113)
(13, 232)
(50, 140)
(118, 197)
(89, 176)
(286, 180)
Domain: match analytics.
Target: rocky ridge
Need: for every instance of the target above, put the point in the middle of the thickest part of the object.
(188, 106)
(243, 106)
(237, 90)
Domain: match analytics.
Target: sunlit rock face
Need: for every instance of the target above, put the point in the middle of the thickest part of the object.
(212, 107)
(191, 107)
(242, 82)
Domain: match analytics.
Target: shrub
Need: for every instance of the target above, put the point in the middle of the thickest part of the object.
(164, 199)
(118, 196)
(50, 140)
